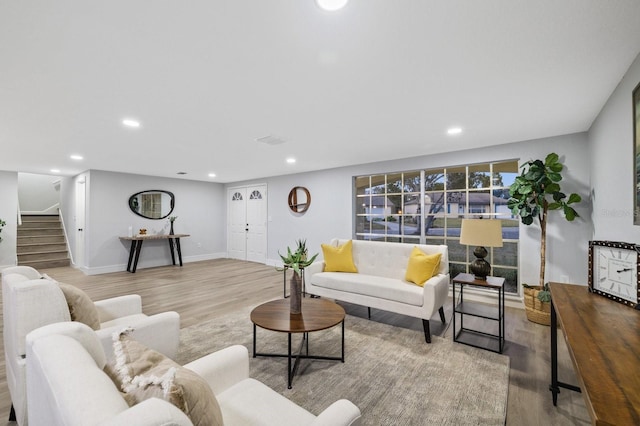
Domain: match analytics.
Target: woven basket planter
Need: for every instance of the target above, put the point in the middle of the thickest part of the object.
(537, 311)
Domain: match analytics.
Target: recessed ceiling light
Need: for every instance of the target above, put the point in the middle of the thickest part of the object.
(331, 5)
(76, 157)
(212, 175)
(454, 130)
(130, 122)
(55, 170)
(291, 160)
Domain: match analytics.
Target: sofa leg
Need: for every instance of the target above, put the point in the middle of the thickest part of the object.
(441, 311)
(369, 312)
(427, 331)
(12, 414)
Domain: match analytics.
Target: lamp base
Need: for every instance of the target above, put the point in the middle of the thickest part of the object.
(480, 267)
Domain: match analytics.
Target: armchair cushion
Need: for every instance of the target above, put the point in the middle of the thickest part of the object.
(81, 307)
(143, 373)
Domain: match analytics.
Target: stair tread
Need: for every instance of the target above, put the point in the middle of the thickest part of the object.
(43, 252)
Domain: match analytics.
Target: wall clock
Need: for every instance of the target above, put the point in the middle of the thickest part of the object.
(299, 199)
(613, 271)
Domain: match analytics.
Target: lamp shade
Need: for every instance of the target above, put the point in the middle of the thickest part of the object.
(481, 232)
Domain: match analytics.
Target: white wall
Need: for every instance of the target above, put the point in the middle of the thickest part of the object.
(200, 207)
(8, 213)
(613, 165)
(38, 193)
(331, 211)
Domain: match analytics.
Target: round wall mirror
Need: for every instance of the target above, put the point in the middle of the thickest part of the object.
(299, 199)
(152, 204)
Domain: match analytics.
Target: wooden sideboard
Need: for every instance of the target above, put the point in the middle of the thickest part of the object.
(136, 247)
(603, 338)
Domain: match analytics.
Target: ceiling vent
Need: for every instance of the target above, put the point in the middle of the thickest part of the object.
(271, 140)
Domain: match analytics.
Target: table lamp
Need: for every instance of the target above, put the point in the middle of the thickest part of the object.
(481, 233)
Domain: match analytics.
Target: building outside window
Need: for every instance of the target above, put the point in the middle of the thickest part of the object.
(427, 207)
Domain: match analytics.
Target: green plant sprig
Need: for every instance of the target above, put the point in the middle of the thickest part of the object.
(297, 259)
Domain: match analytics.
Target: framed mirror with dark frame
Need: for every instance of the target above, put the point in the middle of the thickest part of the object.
(152, 204)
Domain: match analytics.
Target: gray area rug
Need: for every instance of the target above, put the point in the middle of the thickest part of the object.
(390, 373)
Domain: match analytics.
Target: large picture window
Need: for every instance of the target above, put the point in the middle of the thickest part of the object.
(427, 207)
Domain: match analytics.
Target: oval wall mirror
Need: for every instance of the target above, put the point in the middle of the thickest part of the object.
(152, 204)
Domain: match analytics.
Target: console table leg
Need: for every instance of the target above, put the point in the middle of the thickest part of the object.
(178, 250)
(132, 252)
(554, 356)
(173, 256)
(138, 250)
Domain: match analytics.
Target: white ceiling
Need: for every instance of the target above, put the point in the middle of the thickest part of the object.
(377, 80)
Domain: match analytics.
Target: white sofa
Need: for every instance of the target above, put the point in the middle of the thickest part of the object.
(80, 393)
(29, 302)
(380, 281)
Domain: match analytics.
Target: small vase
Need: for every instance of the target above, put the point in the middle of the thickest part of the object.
(171, 229)
(295, 299)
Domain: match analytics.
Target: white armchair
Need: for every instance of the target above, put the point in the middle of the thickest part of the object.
(81, 393)
(30, 302)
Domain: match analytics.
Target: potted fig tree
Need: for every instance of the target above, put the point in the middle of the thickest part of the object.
(533, 194)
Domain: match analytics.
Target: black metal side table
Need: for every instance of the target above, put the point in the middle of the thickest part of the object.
(475, 337)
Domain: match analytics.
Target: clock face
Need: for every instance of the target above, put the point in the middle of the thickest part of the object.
(614, 271)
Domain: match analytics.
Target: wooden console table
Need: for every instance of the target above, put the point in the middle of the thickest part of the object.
(136, 248)
(603, 338)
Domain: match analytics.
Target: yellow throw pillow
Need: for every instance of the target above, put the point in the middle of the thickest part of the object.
(422, 266)
(142, 373)
(339, 259)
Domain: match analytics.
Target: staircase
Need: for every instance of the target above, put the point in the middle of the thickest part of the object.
(41, 242)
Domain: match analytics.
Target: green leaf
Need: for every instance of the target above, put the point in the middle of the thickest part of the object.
(558, 196)
(551, 188)
(569, 213)
(526, 189)
(551, 158)
(555, 177)
(556, 168)
(554, 206)
(574, 198)
(527, 220)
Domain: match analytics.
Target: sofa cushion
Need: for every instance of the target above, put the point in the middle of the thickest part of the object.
(142, 373)
(123, 322)
(369, 285)
(339, 259)
(422, 266)
(81, 307)
(267, 406)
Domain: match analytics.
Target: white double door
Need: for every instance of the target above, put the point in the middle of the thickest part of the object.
(247, 223)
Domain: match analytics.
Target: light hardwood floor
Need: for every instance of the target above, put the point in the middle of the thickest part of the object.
(203, 290)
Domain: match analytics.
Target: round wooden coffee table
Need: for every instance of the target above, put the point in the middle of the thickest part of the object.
(317, 314)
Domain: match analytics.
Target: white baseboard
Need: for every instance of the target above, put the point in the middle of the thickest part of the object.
(149, 264)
